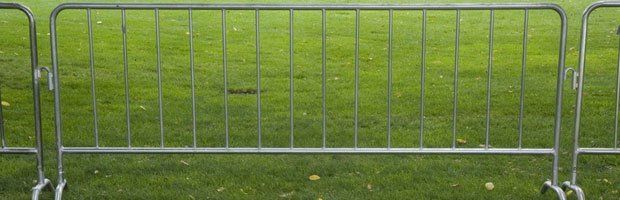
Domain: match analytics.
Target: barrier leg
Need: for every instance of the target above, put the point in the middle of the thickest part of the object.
(567, 186)
(36, 190)
(548, 185)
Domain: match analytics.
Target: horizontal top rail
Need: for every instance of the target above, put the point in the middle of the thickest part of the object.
(20, 7)
(600, 4)
(464, 6)
(301, 150)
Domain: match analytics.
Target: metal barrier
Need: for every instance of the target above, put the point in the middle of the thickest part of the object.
(580, 76)
(42, 182)
(291, 149)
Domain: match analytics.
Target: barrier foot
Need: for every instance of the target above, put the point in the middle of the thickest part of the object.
(548, 185)
(36, 190)
(59, 188)
(567, 186)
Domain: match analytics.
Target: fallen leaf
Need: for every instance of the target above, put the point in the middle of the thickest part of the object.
(185, 163)
(220, 189)
(286, 195)
(142, 107)
(369, 186)
(99, 22)
(569, 193)
(455, 185)
(606, 181)
(96, 172)
(314, 177)
(489, 186)
(5, 104)
(461, 141)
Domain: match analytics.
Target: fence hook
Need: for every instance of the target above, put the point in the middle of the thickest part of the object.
(575, 76)
(50, 77)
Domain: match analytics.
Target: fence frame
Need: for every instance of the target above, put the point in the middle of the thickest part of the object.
(552, 151)
(42, 181)
(580, 76)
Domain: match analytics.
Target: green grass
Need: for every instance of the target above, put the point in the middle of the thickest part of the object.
(286, 176)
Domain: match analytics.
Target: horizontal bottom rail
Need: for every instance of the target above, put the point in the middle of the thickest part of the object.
(598, 150)
(171, 150)
(18, 150)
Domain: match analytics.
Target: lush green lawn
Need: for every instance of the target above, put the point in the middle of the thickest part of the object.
(286, 176)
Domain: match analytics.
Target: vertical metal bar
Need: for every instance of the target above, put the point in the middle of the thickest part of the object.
(357, 78)
(489, 73)
(57, 110)
(389, 81)
(159, 87)
(126, 76)
(2, 136)
(191, 65)
(422, 79)
(291, 83)
(323, 72)
(258, 79)
(34, 62)
(225, 67)
(579, 98)
(617, 95)
(557, 129)
(92, 77)
(457, 40)
(523, 66)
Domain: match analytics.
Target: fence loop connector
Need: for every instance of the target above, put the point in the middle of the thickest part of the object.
(575, 84)
(50, 77)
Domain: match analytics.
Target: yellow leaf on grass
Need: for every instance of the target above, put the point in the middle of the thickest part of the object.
(5, 104)
(314, 177)
(461, 141)
(489, 186)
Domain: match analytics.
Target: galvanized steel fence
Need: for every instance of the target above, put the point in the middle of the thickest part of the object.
(36, 71)
(580, 73)
(291, 9)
